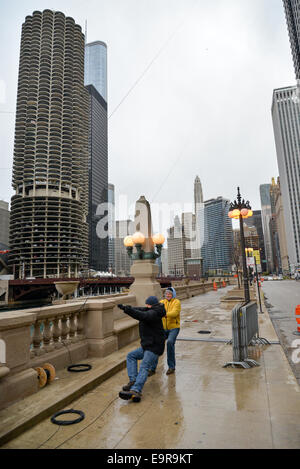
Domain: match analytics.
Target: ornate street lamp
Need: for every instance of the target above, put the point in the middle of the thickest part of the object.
(137, 241)
(239, 210)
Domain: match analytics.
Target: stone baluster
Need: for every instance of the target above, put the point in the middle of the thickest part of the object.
(80, 325)
(37, 339)
(73, 329)
(47, 336)
(65, 330)
(32, 354)
(56, 332)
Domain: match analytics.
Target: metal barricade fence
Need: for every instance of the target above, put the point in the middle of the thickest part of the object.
(244, 333)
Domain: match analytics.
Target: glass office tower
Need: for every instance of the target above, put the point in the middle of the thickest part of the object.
(218, 236)
(98, 181)
(95, 64)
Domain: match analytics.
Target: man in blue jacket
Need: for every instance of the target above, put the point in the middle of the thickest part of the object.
(152, 346)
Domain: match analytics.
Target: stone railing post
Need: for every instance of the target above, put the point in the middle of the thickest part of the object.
(21, 379)
(99, 328)
(57, 333)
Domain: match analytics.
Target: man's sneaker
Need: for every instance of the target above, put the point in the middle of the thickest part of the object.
(127, 395)
(170, 371)
(151, 373)
(128, 386)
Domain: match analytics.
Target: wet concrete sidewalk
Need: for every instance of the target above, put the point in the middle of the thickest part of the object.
(203, 405)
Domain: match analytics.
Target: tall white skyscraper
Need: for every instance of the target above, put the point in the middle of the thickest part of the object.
(95, 67)
(292, 13)
(286, 123)
(198, 193)
(199, 213)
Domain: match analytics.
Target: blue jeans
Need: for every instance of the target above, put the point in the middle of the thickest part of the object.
(148, 362)
(171, 336)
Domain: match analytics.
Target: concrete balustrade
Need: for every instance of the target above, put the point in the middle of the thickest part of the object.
(61, 335)
(68, 333)
(198, 288)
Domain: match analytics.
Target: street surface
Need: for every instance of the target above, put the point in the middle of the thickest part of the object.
(282, 297)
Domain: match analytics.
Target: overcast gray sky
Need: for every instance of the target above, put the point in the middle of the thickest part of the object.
(203, 107)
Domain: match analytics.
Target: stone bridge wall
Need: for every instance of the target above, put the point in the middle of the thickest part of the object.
(75, 329)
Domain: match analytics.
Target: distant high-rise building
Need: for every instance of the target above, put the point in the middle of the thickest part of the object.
(176, 249)
(183, 258)
(292, 12)
(266, 215)
(198, 193)
(48, 224)
(256, 221)
(286, 123)
(95, 63)
(98, 181)
(191, 252)
(281, 229)
(123, 262)
(274, 229)
(199, 218)
(111, 227)
(4, 223)
(218, 242)
(251, 237)
(164, 262)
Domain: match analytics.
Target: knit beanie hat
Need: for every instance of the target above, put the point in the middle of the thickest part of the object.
(152, 300)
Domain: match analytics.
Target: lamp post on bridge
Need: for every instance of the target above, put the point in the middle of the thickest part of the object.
(144, 248)
(239, 210)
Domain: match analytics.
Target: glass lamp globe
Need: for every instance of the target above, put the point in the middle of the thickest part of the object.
(128, 242)
(138, 238)
(236, 213)
(158, 239)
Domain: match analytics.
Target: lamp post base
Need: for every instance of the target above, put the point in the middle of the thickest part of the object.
(145, 283)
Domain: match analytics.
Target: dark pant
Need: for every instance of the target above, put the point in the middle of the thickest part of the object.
(171, 336)
(149, 359)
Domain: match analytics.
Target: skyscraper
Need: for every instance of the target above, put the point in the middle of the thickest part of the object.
(96, 67)
(123, 262)
(176, 249)
(218, 242)
(292, 12)
(4, 223)
(286, 123)
(98, 181)
(266, 215)
(200, 218)
(48, 227)
(274, 229)
(111, 227)
(198, 193)
(281, 229)
(256, 221)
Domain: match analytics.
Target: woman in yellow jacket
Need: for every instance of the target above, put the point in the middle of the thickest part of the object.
(171, 324)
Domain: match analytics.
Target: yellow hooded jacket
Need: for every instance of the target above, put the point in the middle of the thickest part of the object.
(172, 318)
